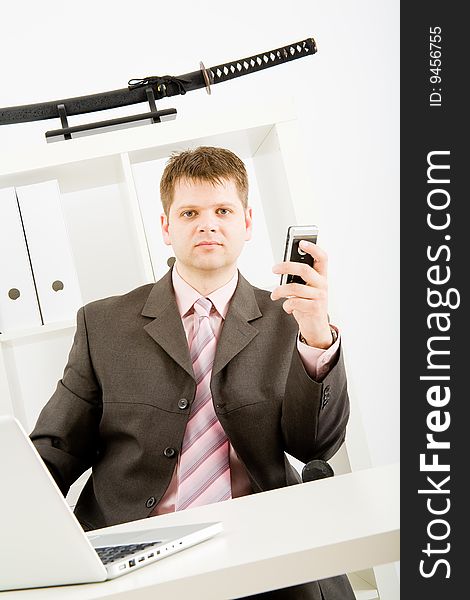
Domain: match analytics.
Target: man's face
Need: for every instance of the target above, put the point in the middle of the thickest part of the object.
(207, 225)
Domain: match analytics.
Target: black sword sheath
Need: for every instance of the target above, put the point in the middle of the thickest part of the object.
(162, 86)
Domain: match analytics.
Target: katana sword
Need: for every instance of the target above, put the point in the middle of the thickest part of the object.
(154, 88)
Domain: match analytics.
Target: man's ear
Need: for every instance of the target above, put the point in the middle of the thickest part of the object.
(248, 223)
(164, 225)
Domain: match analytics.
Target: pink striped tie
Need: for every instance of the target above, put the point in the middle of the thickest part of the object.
(204, 470)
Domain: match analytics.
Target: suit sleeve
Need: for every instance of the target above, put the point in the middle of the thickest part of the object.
(66, 432)
(314, 414)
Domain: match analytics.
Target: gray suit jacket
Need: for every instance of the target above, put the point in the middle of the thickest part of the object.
(117, 406)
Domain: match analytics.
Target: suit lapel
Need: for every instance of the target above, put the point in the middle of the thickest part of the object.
(167, 328)
(237, 332)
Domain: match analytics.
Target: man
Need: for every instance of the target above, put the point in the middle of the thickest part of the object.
(189, 391)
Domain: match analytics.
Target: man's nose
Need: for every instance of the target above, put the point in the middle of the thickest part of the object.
(207, 224)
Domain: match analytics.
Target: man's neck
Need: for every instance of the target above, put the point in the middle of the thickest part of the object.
(205, 282)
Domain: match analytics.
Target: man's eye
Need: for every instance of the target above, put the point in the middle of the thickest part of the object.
(187, 213)
(224, 211)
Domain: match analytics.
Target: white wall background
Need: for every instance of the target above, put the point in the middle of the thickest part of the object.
(347, 98)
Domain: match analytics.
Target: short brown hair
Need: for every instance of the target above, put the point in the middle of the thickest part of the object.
(205, 163)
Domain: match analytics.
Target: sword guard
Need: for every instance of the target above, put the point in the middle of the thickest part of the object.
(208, 77)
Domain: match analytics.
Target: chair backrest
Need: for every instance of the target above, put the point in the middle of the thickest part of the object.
(316, 469)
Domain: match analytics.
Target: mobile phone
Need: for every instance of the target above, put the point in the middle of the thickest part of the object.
(293, 253)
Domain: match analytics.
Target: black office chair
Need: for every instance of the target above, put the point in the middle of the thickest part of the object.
(316, 469)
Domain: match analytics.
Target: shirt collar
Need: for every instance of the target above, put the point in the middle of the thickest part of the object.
(186, 295)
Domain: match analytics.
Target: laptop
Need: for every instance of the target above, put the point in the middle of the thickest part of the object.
(43, 544)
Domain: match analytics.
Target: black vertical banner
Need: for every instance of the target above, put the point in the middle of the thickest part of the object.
(435, 359)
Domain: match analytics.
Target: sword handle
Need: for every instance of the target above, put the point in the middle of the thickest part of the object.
(258, 62)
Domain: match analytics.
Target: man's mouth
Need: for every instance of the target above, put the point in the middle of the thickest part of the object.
(209, 243)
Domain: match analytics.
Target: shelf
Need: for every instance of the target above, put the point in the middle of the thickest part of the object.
(145, 139)
(34, 331)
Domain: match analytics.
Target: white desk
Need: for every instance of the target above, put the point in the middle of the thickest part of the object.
(271, 540)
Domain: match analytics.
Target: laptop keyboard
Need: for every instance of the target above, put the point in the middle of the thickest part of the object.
(109, 554)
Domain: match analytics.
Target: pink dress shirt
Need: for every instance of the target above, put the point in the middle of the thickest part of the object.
(316, 362)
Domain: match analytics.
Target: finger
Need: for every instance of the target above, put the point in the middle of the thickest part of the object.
(320, 256)
(301, 305)
(308, 274)
(298, 290)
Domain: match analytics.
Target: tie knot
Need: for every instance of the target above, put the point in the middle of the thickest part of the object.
(203, 307)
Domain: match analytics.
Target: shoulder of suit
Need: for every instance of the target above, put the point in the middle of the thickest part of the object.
(136, 299)
(266, 305)
(260, 294)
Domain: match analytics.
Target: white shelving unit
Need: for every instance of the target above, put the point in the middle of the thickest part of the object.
(110, 201)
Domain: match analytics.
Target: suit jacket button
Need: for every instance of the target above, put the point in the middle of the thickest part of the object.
(183, 403)
(150, 502)
(169, 452)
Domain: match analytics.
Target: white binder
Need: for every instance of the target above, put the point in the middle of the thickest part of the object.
(19, 307)
(49, 249)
